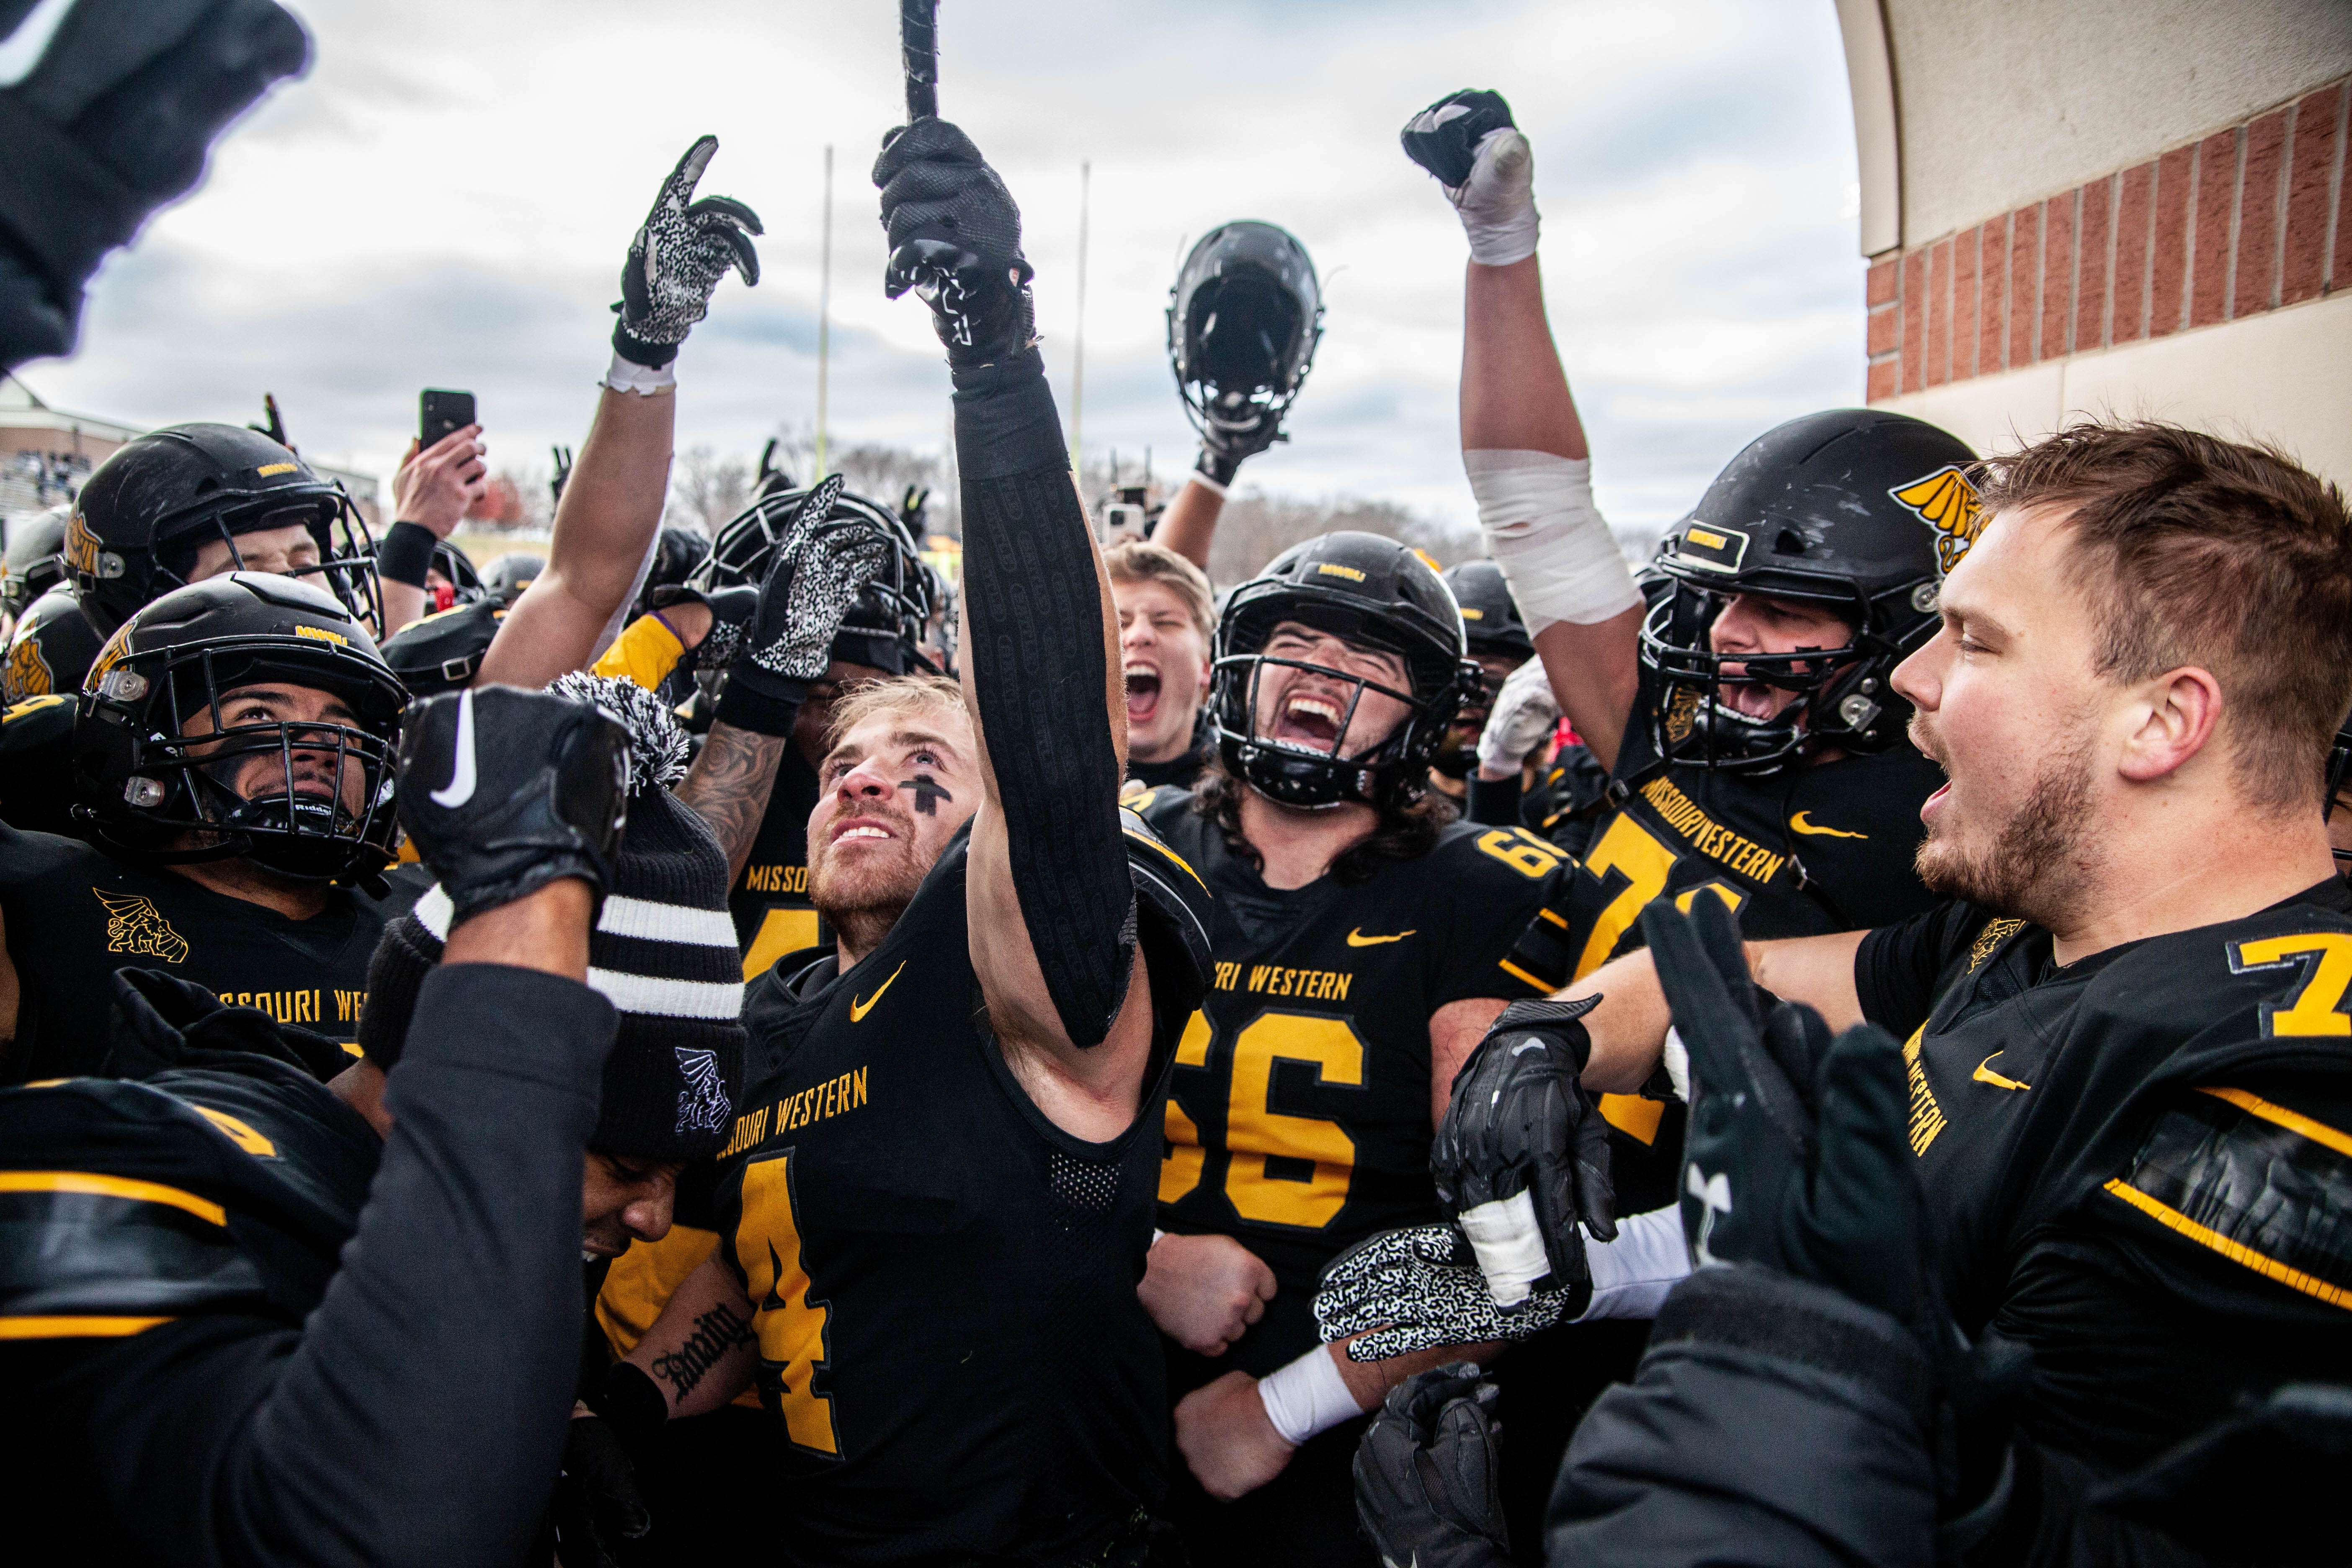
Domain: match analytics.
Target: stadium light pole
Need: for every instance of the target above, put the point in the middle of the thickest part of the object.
(823, 312)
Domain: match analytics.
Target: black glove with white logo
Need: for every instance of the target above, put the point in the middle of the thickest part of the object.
(504, 791)
(955, 240)
(821, 564)
(1428, 1474)
(1420, 1289)
(675, 260)
(1522, 1156)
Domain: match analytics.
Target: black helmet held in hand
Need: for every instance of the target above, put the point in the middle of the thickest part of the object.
(1242, 322)
(141, 520)
(249, 715)
(1370, 591)
(1857, 510)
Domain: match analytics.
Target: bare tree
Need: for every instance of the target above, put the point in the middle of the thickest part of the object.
(1257, 527)
(706, 489)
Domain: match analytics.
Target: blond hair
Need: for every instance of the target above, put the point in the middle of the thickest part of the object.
(1140, 561)
(898, 694)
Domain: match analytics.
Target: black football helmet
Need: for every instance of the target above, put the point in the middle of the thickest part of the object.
(883, 629)
(35, 562)
(1491, 624)
(138, 522)
(1242, 322)
(150, 791)
(506, 577)
(443, 651)
(677, 552)
(1852, 508)
(50, 650)
(465, 583)
(1369, 590)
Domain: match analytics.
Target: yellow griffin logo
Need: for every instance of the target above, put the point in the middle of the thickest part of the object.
(1947, 503)
(134, 925)
(27, 674)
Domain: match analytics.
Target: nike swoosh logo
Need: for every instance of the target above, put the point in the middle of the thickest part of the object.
(1798, 824)
(1984, 1074)
(461, 775)
(1357, 939)
(857, 1010)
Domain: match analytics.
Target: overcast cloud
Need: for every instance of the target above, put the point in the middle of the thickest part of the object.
(445, 199)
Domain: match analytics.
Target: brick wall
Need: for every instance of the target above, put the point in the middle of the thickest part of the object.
(2243, 221)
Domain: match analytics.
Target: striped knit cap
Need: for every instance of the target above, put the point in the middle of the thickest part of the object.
(662, 953)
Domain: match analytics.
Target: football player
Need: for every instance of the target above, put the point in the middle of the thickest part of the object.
(432, 492)
(1243, 318)
(1498, 645)
(1166, 613)
(937, 1205)
(35, 560)
(2122, 1087)
(1362, 941)
(227, 1279)
(171, 508)
(233, 751)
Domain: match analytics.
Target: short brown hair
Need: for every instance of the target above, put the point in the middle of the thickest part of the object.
(2194, 550)
(1140, 561)
(899, 694)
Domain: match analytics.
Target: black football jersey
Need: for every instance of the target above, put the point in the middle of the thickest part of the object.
(769, 901)
(2140, 1163)
(943, 1281)
(36, 782)
(1298, 1113)
(1569, 800)
(75, 915)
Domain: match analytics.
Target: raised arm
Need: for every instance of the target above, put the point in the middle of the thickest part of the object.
(1052, 907)
(1522, 444)
(611, 504)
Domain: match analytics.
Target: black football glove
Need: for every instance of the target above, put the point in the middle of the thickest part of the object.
(1446, 137)
(677, 258)
(504, 791)
(955, 240)
(1420, 1289)
(821, 564)
(731, 610)
(598, 1512)
(1469, 143)
(1428, 1474)
(1522, 1156)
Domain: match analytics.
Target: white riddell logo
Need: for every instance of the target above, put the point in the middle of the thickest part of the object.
(461, 776)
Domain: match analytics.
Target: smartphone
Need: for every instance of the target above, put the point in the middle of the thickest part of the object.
(439, 413)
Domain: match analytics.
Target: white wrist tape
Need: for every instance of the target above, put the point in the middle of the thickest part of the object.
(1510, 1248)
(1548, 538)
(1631, 1275)
(628, 375)
(1308, 1396)
(1675, 1056)
(1197, 478)
(1498, 202)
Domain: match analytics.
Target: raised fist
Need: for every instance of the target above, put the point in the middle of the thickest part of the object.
(1468, 141)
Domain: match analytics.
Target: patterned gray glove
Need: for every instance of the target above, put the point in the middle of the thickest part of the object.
(822, 563)
(1420, 1288)
(1429, 1474)
(955, 240)
(676, 259)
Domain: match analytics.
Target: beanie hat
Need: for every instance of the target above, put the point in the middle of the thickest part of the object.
(662, 953)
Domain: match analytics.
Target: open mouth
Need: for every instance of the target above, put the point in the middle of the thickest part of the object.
(1142, 692)
(861, 829)
(1750, 698)
(1309, 719)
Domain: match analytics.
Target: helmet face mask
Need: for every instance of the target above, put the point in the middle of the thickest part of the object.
(1854, 513)
(170, 773)
(886, 623)
(1374, 594)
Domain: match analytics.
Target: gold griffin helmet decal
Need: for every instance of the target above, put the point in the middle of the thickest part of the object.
(28, 673)
(81, 545)
(1945, 501)
(134, 925)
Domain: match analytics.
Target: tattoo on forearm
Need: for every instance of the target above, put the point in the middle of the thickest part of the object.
(729, 788)
(716, 1332)
(927, 793)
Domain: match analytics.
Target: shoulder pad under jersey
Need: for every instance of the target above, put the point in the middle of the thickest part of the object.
(1171, 895)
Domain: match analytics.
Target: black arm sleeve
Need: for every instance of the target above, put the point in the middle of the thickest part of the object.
(1495, 802)
(1033, 624)
(1896, 967)
(418, 1416)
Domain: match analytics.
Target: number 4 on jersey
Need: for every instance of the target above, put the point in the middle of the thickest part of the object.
(791, 1328)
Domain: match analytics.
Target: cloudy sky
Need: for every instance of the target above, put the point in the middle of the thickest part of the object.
(444, 198)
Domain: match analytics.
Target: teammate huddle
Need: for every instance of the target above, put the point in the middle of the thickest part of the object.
(1101, 1070)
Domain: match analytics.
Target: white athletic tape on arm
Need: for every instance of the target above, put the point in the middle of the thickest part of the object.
(1510, 1248)
(1550, 541)
(1308, 1396)
(1677, 1056)
(628, 375)
(1631, 1275)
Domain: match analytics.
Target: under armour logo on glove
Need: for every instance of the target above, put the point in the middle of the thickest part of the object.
(1420, 1288)
(1469, 141)
(955, 240)
(676, 259)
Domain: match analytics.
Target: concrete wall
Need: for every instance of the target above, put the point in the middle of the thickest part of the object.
(2001, 101)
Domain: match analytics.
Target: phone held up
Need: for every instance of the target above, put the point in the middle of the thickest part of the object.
(440, 412)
